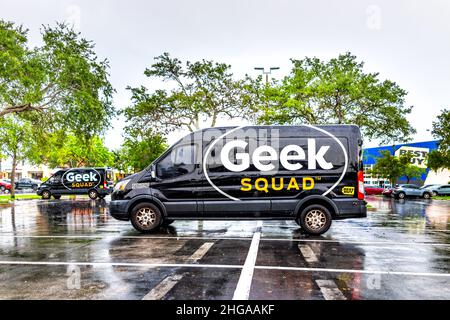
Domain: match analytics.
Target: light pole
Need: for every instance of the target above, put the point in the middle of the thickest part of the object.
(267, 72)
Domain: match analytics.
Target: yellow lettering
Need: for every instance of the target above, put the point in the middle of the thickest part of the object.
(246, 184)
(311, 183)
(292, 184)
(274, 185)
(265, 187)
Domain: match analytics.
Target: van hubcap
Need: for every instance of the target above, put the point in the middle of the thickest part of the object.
(146, 217)
(315, 219)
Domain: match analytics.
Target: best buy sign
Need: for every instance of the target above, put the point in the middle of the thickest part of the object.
(418, 155)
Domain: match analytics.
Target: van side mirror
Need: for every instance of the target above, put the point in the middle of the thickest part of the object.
(153, 172)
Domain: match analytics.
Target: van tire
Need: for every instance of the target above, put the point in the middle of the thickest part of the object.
(46, 194)
(57, 196)
(93, 194)
(145, 217)
(315, 219)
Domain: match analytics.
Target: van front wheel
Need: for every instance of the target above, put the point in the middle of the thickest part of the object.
(315, 219)
(145, 217)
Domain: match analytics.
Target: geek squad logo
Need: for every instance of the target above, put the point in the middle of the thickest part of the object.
(76, 178)
(263, 157)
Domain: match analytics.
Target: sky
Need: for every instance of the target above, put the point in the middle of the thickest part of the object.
(407, 41)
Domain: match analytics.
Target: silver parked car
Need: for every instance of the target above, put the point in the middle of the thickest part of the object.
(441, 190)
(410, 190)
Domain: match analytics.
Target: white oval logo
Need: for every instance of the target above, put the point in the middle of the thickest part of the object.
(267, 153)
(81, 178)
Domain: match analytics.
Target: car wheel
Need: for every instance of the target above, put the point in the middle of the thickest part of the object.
(34, 187)
(93, 194)
(2, 188)
(401, 195)
(426, 195)
(145, 217)
(46, 194)
(434, 193)
(57, 196)
(315, 219)
(167, 222)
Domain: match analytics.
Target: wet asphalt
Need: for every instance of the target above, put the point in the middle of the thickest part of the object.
(73, 249)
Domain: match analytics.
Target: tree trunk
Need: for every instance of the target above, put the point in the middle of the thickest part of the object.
(13, 176)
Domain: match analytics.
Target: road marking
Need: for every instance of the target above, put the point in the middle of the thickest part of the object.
(330, 290)
(230, 238)
(200, 252)
(242, 291)
(400, 273)
(308, 253)
(219, 266)
(158, 292)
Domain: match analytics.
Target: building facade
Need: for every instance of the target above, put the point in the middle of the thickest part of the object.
(24, 170)
(419, 150)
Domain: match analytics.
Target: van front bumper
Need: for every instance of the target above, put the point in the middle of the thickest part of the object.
(118, 209)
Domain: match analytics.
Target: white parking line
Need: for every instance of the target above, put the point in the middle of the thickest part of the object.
(200, 253)
(169, 282)
(163, 287)
(330, 290)
(308, 253)
(242, 291)
(220, 266)
(4, 235)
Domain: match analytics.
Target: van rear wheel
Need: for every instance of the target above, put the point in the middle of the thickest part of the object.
(145, 217)
(93, 194)
(315, 219)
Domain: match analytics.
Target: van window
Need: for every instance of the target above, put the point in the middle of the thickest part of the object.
(179, 161)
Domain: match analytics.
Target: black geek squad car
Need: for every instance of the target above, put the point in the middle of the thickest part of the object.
(95, 182)
(311, 174)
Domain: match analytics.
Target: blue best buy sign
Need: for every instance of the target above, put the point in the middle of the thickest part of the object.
(419, 151)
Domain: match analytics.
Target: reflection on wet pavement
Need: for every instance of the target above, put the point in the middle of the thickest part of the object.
(74, 250)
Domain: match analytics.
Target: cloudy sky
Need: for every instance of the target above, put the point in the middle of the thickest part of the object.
(406, 41)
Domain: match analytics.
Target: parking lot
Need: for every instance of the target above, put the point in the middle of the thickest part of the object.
(73, 249)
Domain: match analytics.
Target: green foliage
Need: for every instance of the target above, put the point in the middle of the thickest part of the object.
(138, 151)
(202, 90)
(440, 158)
(336, 92)
(62, 79)
(392, 167)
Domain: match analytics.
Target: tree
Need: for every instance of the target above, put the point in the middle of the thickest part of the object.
(392, 167)
(440, 158)
(62, 79)
(337, 91)
(68, 150)
(202, 91)
(138, 151)
(16, 142)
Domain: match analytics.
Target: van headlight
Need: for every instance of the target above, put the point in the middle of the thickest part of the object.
(121, 185)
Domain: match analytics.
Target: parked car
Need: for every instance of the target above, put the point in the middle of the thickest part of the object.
(410, 190)
(432, 188)
(370, 190)
(27, 183)
(5, 185)
(442, 190)
(387, 192)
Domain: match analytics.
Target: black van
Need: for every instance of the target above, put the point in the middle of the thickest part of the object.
(95, 182)
(311, 174)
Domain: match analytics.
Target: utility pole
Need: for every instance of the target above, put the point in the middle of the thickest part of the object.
(267, 72)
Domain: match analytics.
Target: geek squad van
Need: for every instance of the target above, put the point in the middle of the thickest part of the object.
(311, 174)
(95, 182)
